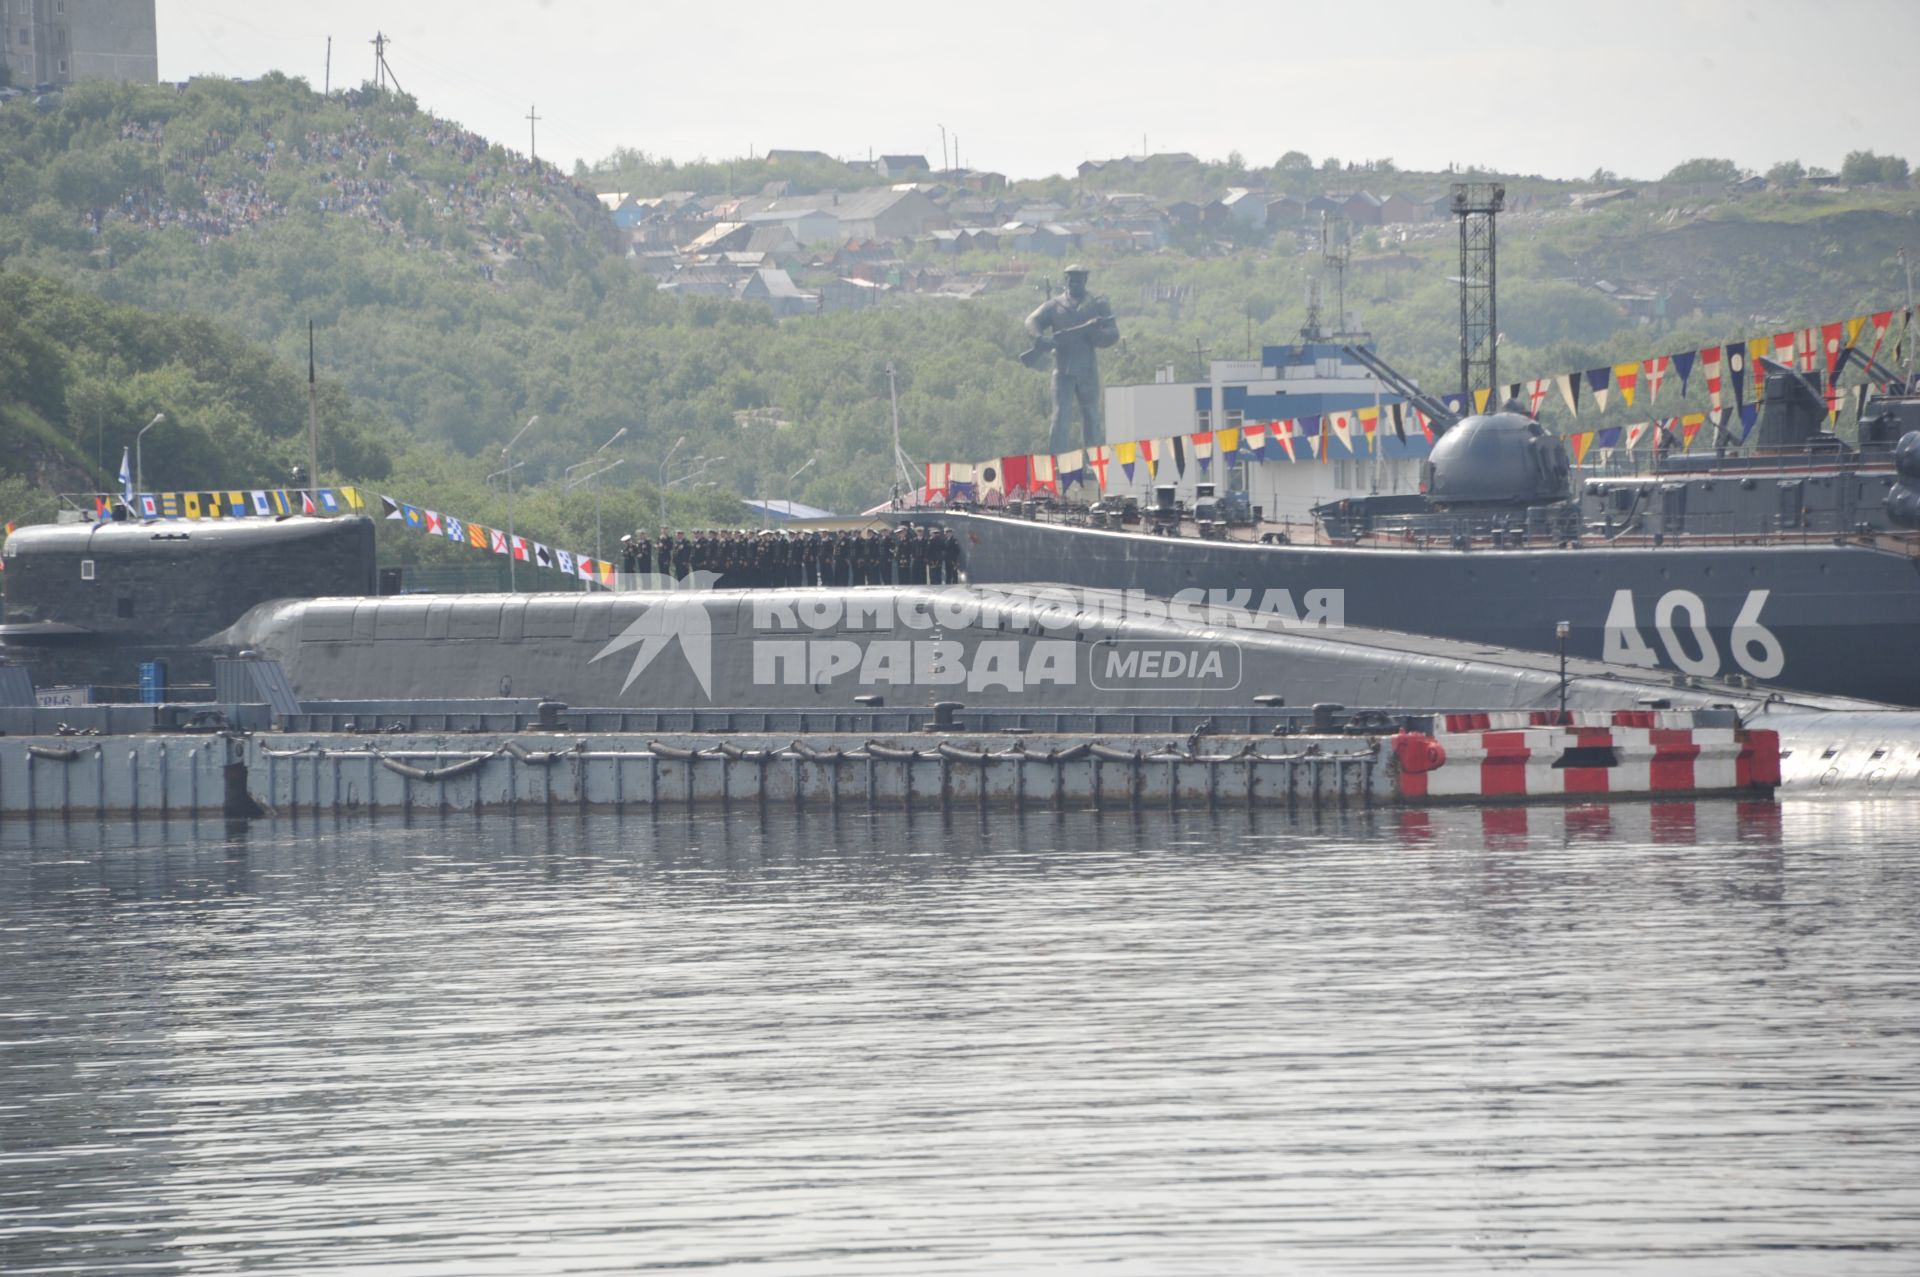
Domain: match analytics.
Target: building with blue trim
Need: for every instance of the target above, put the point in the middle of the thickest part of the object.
(1311, 379)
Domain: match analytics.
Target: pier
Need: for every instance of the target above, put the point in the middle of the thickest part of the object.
(243, 760)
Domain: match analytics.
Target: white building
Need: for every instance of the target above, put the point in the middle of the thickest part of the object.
(1300, 383)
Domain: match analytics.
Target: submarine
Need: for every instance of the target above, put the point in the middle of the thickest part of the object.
(87, 603)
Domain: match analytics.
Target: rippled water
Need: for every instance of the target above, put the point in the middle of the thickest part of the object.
(1679, 1037)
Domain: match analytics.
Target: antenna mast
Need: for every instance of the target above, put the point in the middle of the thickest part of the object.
(1336, 250)
(313, 417)
(900, 461)
(1476, 204)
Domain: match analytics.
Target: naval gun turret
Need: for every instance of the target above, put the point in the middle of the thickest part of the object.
(1903, 498)
(1495, 460)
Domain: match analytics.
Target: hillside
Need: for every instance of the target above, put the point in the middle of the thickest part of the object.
(79, 376)
(458, 289)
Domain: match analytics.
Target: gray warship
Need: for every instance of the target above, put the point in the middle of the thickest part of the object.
(1790, 561)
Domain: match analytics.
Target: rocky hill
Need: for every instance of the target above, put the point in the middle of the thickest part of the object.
(459, 289)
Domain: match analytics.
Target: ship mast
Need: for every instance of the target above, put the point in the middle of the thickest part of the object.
(313, 418)
(1476, 204)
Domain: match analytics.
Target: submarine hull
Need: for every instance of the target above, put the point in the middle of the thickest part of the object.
(821, 648)
(87, 603)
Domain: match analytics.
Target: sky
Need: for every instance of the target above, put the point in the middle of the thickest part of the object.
(1521, 86)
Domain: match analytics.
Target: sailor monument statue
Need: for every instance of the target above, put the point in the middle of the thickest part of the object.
(1072, 325)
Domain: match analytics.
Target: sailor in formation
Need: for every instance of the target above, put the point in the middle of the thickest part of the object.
(906, 555)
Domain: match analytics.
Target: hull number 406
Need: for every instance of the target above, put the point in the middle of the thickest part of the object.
(1681, 626)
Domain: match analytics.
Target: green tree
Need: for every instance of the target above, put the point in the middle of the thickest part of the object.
(1863, 167)
(1787, 173)
(1703, 172)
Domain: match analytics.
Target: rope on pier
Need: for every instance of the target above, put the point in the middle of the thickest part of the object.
(533, 757)
(448, 772)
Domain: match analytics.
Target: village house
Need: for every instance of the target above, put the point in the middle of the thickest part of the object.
(779, 156)
(1361, 208)
(965, 239)
(976, 210)
(898, 168)
(1246, 209)
(887, 214)
(721, 237)
(1036, 213)
(657, 262)
(856, 254)
(1286, 210)
(982, 182)
(806, 225)
(1400, 208)
(851, 294)
(777, 242)
(702, 280)
(1049, 238)
(774, 288)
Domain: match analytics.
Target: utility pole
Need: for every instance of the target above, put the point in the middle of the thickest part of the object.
(943, 148)
(326, 82)
(382, 73)
(313, 416)
(533, 152)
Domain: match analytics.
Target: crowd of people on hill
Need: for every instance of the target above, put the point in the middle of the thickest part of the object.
(352, 180)
(906, 555)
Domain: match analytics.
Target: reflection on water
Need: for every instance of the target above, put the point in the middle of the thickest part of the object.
(1643, 1036)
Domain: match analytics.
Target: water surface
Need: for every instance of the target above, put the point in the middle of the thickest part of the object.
(1678, 1037)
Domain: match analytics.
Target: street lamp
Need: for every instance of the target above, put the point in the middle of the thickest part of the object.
(795, 475)
(140, 470)
(569, 480)
(664, 463)
(618, 435)
(1560, 631)
(499, 473)
(512, 584)
(697, 467)
(593, 480)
